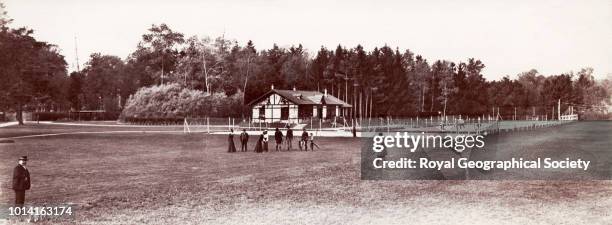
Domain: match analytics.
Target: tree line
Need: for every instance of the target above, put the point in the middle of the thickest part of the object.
(384, 81)
(380, 82)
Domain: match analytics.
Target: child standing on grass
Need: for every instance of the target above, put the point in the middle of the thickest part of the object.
(312, 143)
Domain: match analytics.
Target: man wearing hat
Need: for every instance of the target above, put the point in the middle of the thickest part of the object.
(21, 180)
(289, 138)
(244, 139)
(304, 141)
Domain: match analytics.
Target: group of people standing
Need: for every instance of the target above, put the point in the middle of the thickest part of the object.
(264, 138)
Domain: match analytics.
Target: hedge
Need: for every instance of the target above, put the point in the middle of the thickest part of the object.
(173, 101)
(55, 116)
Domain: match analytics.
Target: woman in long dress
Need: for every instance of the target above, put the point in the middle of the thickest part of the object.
(230, 140)
(265, 141)
(258, 147)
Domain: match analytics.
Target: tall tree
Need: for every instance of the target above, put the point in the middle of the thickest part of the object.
(473, 101)
(319, 66)
(75, 91)
(421, 73)
(294, 68)
(157, 52)
(533, 83)
(32, 72)
(446, 74)
(103, 79)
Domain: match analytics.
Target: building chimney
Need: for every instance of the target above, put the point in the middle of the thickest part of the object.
(272, 86)
(325, 92)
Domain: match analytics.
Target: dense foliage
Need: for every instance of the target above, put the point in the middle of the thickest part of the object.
(172, 75)
(172, 101)
(32, 73)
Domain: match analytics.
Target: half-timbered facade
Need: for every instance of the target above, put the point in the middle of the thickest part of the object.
(292, 106)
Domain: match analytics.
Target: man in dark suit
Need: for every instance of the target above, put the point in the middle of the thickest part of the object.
(289, 138)
(278, 137)
(21, 181)
(244, 139)
(304, 140)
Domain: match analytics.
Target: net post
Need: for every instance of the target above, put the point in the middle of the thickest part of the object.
(186, 126)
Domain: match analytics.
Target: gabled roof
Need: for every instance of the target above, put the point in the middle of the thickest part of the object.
(303, 98)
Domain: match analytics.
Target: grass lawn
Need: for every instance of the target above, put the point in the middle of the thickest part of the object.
(36, 129)
(154, 178)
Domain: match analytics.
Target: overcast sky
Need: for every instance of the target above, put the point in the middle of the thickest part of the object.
(508, 36)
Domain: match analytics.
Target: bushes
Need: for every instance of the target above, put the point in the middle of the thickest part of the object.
(49, 116)
(170, 102)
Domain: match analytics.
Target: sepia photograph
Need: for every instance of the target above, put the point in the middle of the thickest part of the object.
(290, 112)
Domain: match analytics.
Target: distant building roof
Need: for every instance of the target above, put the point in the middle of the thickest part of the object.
(304, 98)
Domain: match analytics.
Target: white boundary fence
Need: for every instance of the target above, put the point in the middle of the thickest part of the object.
(569, 117)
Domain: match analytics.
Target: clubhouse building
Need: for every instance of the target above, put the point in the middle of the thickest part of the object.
(293, 106)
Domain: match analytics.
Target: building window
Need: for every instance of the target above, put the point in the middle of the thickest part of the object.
(262, 112)
(284, 113)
